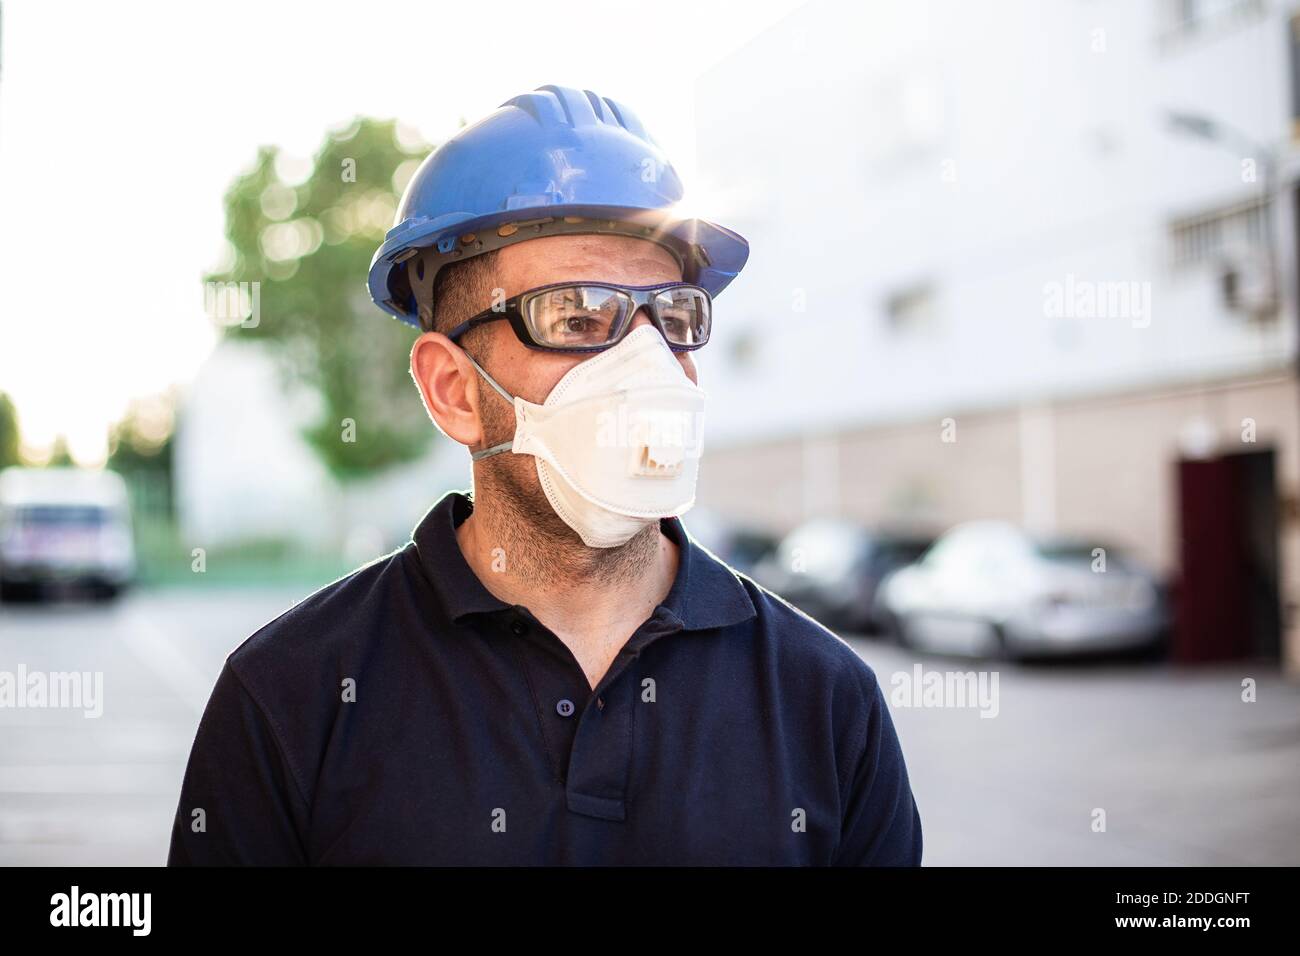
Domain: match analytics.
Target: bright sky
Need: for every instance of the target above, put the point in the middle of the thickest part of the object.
(122, 124)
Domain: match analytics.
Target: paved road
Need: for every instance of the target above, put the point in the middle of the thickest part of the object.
(79, 790)
(1184, 770)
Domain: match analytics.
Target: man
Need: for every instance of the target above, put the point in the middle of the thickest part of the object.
(551, 672)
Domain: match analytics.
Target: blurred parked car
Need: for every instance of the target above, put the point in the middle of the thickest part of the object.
(989, 589)
(830, 569)
(64, 527)
(740, 547)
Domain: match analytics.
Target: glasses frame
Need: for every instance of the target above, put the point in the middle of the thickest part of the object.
(641, 296)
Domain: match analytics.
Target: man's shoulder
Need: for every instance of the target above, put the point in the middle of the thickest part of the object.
(331, 624)
(803, 645)
(822, 678)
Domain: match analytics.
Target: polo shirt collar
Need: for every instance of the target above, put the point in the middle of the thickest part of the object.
(704, 594)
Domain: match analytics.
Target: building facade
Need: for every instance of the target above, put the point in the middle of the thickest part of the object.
(1038, 265)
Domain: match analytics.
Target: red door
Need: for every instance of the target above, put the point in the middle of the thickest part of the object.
(1225, 600)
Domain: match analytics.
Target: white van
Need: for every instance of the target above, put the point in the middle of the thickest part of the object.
(64, 527)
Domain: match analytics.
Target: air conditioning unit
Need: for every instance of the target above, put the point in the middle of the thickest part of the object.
(1246, 282)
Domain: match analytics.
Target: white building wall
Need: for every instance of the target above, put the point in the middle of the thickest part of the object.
(868, 148)
(244, 472)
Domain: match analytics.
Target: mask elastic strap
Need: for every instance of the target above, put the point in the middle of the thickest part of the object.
(502, 446)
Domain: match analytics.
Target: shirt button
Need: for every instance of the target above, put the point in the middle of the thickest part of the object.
(565, 708)
(519, 627)
(600, 703)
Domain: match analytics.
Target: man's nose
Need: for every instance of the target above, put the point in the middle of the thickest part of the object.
(640, 318)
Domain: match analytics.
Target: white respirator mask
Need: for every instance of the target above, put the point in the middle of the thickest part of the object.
(617, 441)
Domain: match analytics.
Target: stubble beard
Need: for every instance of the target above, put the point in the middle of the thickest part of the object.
(538, 545)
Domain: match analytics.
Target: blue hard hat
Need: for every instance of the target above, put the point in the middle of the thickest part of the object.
(553, 161)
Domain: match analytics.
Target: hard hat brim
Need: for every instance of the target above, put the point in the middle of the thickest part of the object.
(711, 255)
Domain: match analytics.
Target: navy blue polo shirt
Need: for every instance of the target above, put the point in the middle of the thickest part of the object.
(404, 715)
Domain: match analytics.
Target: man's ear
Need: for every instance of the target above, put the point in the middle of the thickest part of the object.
(449, 386)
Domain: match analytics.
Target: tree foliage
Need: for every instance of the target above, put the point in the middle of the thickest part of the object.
(309, 246)
(9, 440)
(60, 454)
(140, 448)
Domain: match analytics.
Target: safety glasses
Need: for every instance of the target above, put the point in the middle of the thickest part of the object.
(592, 316)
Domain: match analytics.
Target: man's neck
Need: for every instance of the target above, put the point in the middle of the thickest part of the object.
(593, 599)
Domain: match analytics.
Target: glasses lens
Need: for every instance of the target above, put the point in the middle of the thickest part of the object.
(577, 316)
(685, 314)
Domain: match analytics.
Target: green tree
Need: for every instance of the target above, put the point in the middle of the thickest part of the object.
(140, 449)
(309, 246)
(9, 440)
(60, 456)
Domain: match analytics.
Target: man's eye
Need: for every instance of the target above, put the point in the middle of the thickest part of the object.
(576, 324)
(585, 326)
